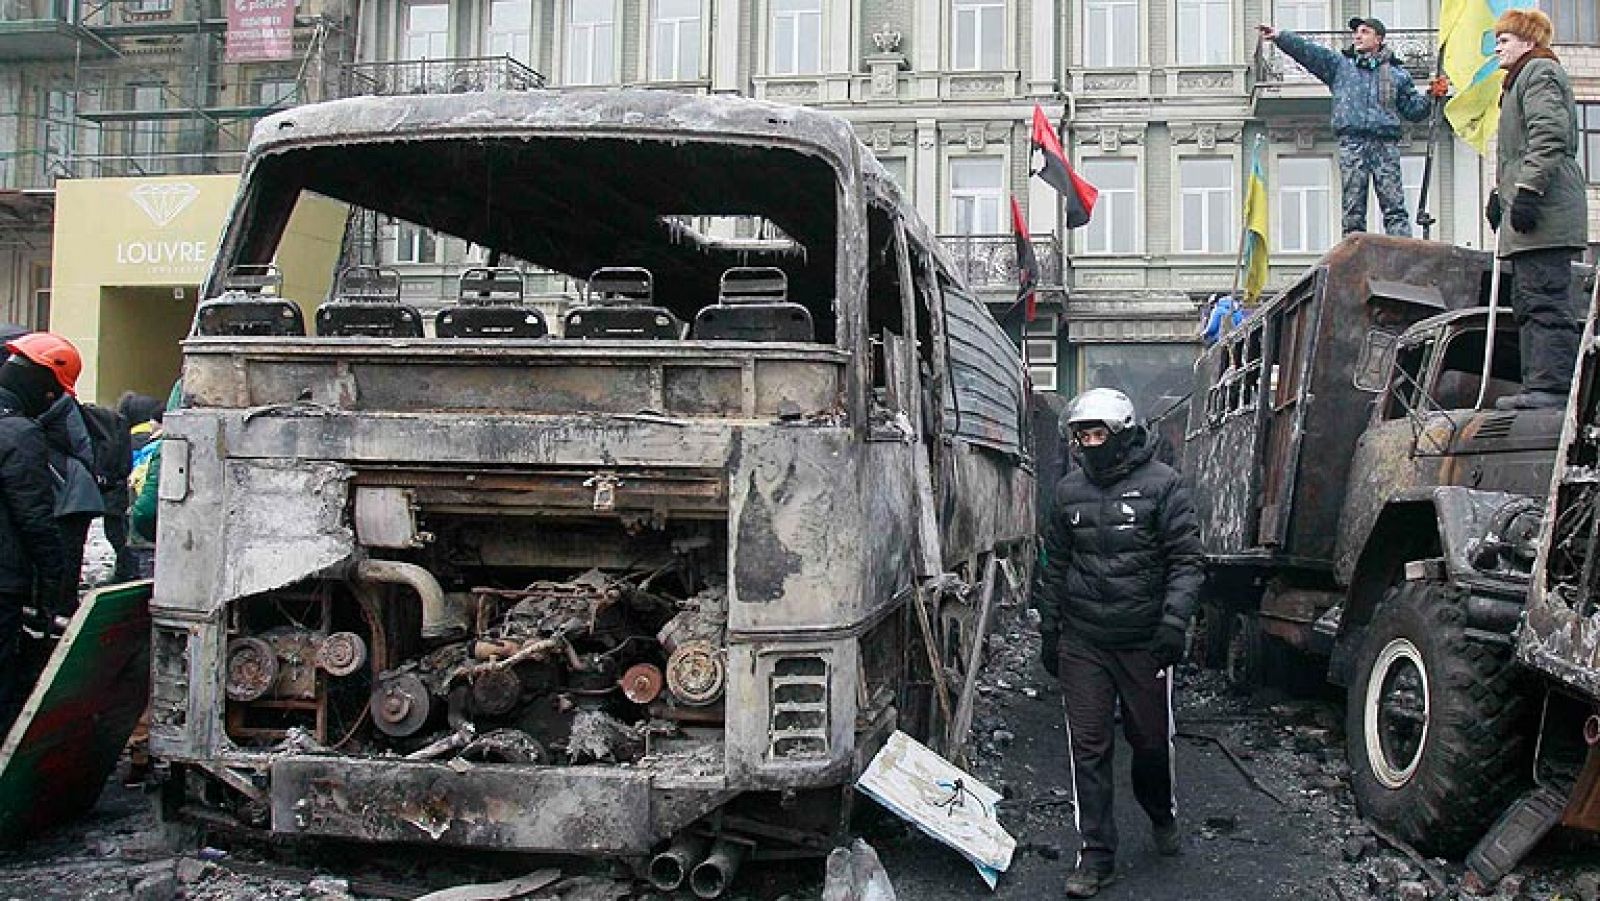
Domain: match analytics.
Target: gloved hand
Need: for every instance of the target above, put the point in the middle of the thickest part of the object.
(1525, 211)
(1049, 651)
(1439, 87)
(1167, 647)
(1493, 211)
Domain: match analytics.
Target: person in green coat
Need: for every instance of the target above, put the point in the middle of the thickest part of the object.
(1540, 189)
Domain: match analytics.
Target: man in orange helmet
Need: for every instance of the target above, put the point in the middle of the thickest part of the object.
(30, 545)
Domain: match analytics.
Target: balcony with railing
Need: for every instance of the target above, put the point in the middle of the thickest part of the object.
(1280, 86)
(989, 262)
(32, 30)
(438, 76)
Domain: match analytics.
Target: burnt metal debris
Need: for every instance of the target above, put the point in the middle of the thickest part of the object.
(651, 585)
(1365, 519)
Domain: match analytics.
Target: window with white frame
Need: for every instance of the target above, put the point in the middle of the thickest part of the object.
(977, 34)
(796, 37)
(1576, 21)
(414, 244)
(1411, 166)
(1040, 348)
(975, 194)
(427, 31)
(58, 129)
(1206, 204)
(1403, 14)
(1205, 32)
(1114, 225)
(591, 41)
(1111, 33)
(1589, 141)
(1305, 214)
(675, 40)
(275, 91)
(509, 30)
(900, 170)
(1301, 15)
(147, 137)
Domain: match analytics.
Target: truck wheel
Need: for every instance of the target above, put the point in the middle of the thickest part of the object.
(1434, 722)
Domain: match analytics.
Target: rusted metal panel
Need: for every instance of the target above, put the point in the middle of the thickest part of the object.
(584, 810)
(987, 375)
(79, 715)
(432, 376)
(1561, 634)
(1365, 282)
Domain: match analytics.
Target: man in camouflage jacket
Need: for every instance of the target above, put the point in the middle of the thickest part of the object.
(1372, 91)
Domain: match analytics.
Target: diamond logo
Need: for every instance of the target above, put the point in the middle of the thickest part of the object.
(163, 202)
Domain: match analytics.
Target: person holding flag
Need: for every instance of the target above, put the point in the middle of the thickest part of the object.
(1372, 91)
(1540, 190)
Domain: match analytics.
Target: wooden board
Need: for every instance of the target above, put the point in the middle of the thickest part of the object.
(71, 731)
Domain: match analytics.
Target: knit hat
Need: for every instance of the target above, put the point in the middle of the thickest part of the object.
(1529, 24)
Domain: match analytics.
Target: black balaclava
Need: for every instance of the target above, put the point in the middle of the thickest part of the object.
(1104, 457)
(35, 386)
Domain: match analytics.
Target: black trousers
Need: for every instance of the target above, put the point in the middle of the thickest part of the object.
(74, 529)
(1549, 320)
(11, 676)
(1093, 680)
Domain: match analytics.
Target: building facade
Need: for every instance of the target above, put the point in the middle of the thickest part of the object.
(1161, 104)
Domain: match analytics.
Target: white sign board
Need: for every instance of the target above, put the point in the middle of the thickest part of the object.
(941, 800)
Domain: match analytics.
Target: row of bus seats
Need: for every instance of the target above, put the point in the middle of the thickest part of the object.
(752, 305)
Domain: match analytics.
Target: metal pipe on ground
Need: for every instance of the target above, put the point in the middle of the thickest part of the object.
(714, 874)
(671, 867)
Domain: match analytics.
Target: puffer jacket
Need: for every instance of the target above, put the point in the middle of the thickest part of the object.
(1538, 147)
(1122, 552)
(1363, 106)
(30, 544)
(71, 459)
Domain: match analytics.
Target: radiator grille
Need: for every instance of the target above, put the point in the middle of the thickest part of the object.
(799, 698)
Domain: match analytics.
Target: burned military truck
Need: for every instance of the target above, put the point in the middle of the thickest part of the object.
(659, 572)
(1370, 518)
(1559, 638)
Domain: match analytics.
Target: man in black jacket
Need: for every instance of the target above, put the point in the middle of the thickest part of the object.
(30, 545)
(1115, 594)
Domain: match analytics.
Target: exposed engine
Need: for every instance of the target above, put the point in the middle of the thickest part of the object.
(591, 669)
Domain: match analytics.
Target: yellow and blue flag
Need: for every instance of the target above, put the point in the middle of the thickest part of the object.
(1466, 32)
(1255, 226)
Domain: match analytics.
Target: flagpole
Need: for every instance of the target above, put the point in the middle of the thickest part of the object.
(1244, 221)
(1425, 218)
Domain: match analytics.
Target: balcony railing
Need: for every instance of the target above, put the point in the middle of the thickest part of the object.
(439, 76)
(989, 262)
(1415, 49)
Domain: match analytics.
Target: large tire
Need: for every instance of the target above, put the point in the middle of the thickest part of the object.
(1435, 724)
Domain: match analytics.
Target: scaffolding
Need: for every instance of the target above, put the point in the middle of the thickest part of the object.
(144, 87)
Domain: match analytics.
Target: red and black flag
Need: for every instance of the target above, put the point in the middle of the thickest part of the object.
(1027, 265)
(1057, 173)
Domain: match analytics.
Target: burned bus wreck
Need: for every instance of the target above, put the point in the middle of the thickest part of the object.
(662, 571)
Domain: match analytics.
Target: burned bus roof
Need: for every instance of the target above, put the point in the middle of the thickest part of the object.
(488, 113)
(576, 181)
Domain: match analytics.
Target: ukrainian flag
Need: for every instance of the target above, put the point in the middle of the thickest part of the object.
(1255, 226)
(1466, 32)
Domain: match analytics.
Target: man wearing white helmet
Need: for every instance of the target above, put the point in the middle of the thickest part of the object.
(1115, 593)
